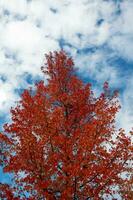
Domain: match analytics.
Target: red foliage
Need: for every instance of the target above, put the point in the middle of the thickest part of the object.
(63, 137)
(5, 192)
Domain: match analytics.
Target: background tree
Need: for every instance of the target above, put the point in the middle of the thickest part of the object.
(64, 144)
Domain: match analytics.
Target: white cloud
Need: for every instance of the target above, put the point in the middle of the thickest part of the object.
(123, 45)
(14, 6)
(21, 35)
(122, 31)
(7, 97)
(126, 115)
(126, 23)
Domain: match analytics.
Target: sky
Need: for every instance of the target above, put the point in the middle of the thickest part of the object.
(98, 34)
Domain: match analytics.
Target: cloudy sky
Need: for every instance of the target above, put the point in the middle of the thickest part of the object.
(97, 33)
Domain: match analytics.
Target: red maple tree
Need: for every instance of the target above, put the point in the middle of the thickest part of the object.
(64, 144)
(5, 190)
(127, 188)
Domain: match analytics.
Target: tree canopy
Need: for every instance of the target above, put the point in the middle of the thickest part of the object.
(63, 142)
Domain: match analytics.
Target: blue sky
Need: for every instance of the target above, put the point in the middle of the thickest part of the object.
(97, 33)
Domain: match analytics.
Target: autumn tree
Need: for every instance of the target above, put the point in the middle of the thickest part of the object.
(64, 144)
(127, 187)
(5, 190)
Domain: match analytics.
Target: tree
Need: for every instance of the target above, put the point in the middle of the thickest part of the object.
(127, 188)
(5, 190)
(64, 144)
